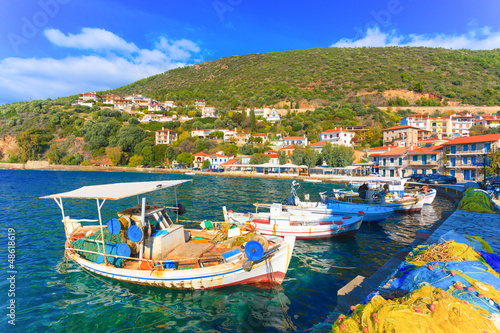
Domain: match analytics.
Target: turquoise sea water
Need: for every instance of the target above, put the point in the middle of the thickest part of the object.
(51, 295)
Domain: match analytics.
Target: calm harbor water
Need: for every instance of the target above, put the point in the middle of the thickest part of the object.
(51, 295)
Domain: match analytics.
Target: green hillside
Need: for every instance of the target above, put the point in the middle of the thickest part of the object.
(328, 75)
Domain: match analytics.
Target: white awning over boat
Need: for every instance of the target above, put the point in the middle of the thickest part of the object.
(117, 191)
(372, 179)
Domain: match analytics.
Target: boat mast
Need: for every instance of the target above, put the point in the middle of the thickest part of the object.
(99, 206)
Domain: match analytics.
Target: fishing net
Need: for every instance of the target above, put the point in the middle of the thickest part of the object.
(477, 201)
(445, 287)
(426, 309)
(94, 243)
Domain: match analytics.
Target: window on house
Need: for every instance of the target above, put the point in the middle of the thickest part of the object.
(453, 149)
(487, 147)
(473, 147)
(473, 159)
(383, 161)
(415, 158)
(464, 160)
(392, 160)
(466, 148)
(400, 161)
(433, 157)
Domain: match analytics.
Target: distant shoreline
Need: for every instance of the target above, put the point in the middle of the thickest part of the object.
(53, 167)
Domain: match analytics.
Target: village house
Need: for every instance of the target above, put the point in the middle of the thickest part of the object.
(404, 135)
(157, 117)
(288, 150)
(394, 162)
(273, 117)
(427, 160)
(208, 112)
(318, 146)
(337, 136)
(169, 104)
(199, 158)
(205, 133)
(122, 104)
(487, 120)
(199, 103)
(110, 99)
(155, 107)
(263, 137)
(466, 155)
(165, 136)
(217, 160)
(241, 138)
(91, 96)
(295, 140)
(459, 124)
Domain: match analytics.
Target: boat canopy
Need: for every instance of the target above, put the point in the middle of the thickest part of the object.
(391, 180)
(117, 191)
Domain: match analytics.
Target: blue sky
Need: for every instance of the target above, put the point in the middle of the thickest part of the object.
(53, 48)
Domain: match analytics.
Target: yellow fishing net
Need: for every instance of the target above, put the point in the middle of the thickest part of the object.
(426, 309)
(477, 201)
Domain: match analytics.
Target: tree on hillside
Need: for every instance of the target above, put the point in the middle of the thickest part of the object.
(115, 154)
(32, 143)
(129, 136)
(298, 155)
(55, 154)
(311, 157)
(337, 156)
(282, 157)
(259, 159)
(135, 161)
(253, 122)
(185, 158)
(478, 130)
(246, 150)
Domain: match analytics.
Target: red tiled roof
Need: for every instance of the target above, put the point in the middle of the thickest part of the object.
(294, 138)
(200, 154)
(273, 155)
(473, 139)
(289, 147)
(166, 130)
(336, 130)
(381, 148)
(399, 127)
(395, 151)
(231, 161)
(425, 150)
(320, 143)
(416, 115)
(259, 134)
(374, 154)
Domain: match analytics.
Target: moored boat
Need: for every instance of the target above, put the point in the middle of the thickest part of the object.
(383, 191)
(144, 245)
(303, 225)
(370, 213)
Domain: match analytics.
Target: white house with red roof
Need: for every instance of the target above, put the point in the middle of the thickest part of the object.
(122, 104)
(216, 160)
(165, 136)
(459, 124)
(110, 99)
(487, 120)
(417, 120)
(208, 112)
(91, 96)
(318, 146)
(337, 136)
(466, 155)
(241, 138)
(205, 133)
(295, 141)
(260, 135)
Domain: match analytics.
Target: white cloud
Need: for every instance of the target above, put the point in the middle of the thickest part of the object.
(123, 63)
(477, 39)
(90, 39)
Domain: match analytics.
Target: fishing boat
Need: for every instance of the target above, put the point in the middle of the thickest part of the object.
(302, 225)
(307, 180)
(382, 191)
(370, 213)
(143, 245)
(429, 195)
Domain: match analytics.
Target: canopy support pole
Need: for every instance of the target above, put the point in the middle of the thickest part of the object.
(143, 219)
(99, 206)
(60, 204)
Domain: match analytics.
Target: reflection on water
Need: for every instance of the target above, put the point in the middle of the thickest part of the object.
(53, 297)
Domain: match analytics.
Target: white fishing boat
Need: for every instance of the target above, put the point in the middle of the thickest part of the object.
(429, 195)
(190, 173)
(370, 213)
(308, 180)
(144, 245)
(382, 191)
(303, 225)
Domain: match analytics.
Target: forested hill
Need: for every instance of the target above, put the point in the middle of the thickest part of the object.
(327, 75)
